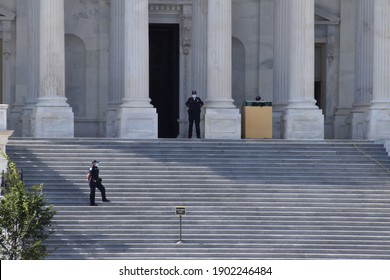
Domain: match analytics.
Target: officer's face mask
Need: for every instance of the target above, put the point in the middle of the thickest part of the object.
(97, 164)
(194, 96)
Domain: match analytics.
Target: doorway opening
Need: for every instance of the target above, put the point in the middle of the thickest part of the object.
(319, 78)
(164, 76)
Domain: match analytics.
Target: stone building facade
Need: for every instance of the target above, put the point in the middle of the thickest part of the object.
(124, 69)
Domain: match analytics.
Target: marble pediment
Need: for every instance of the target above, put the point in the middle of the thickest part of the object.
(324, 17)
(6, 15)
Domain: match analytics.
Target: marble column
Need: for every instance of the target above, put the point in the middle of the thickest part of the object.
(364, 67)
(222, 118)
(137, 118)
(116, 81)
(199, 61)
(5, 53)
(378, 117)
(332, 62)
(280, 75)
(302, 119)
(52, 116)
(33, 67)
(188, 52)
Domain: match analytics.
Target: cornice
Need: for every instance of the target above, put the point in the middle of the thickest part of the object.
(323, 17)
(6, 15)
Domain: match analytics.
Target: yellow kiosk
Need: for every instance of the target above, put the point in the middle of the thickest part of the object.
(257, 119)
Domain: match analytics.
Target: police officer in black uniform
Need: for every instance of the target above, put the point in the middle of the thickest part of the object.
(95, 182)
(194, 105)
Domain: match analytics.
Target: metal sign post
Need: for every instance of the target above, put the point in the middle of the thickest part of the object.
(180, 210)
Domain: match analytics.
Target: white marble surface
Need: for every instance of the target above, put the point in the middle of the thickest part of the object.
(255, 57)
(222, 123)
(52, 116)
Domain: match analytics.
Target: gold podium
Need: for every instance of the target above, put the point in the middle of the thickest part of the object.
(257, 119)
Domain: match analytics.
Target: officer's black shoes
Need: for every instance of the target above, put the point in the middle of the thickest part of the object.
(93, 204)
(106, 200)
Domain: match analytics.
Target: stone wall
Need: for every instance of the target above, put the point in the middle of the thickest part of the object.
(88, 89)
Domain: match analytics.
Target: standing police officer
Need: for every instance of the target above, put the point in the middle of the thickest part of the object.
(194, 105)
(95, 182)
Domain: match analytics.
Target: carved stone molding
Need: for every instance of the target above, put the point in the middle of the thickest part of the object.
(184, 11)
(186, 33)
(330, 52)
(323, 22)
(169, 8)
(5, 29)
(6, 15)
(6, 18)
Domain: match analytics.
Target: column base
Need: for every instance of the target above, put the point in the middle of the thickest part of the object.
(378, 124)
(26, 121)
(222, 124)
(111, 122)
(277, 113)
(4, 135)
(358, 124)
(303, 124)
(386, 144)
(342, 124)
(51, 119)
(137, 123)
(3, 116)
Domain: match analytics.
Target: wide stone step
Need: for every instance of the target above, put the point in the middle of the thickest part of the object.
(271, 199)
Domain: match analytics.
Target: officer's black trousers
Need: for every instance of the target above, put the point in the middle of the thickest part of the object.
(193, 117)
(92, 186)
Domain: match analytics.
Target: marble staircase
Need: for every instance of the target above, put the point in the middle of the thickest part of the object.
(244, 199)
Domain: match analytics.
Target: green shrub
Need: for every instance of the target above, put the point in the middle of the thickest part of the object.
(25, 219)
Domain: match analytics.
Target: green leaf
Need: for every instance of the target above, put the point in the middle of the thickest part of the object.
(25, 219)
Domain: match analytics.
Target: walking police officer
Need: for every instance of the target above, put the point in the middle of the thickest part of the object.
(194, 105)
(95, 182)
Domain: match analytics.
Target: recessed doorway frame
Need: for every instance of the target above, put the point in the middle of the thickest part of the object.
(164, 76)
(180, 14)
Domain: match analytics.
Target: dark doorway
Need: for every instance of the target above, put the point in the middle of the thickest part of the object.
(164, 77)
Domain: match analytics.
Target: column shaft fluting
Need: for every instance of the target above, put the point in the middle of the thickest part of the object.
(136, 116)
(281, 77)
(52, 116)
(33, 75)
(136, 54)
(52, 49)
(294, 71)
(219, 58)
(381, 71)
(301, 62)
(219, 102)
(378, 118)
(116, 52)
(364, 52)
(199, 48)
